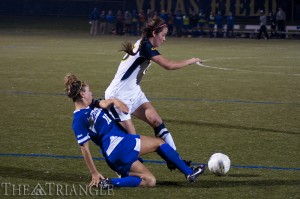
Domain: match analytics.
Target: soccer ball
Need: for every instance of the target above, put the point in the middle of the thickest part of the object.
(219, 164)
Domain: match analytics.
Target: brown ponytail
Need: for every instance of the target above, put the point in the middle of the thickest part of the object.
(128, 48)
(73, 86)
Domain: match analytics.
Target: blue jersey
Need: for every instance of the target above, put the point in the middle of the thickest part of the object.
(95, 124)
(120, 149)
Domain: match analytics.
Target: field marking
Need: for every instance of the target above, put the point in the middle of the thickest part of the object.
(162, 98)
(145, 160)
(242, 70)
(225, 101)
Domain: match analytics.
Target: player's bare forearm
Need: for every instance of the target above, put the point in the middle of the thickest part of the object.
(114, 101)
(88, 158)
(173, 65)
(96, 176)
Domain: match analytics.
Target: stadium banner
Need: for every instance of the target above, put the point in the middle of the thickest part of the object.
(240, 8)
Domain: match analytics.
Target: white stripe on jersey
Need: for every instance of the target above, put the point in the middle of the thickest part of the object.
(137, 144)
(114, 141)
(94, 116)
(83, 139)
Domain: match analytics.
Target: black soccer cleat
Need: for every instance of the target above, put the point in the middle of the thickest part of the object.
(105, 184)
(197, 171)
(188, 163)
(173, 167)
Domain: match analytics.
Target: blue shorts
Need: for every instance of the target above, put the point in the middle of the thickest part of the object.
(124, 154)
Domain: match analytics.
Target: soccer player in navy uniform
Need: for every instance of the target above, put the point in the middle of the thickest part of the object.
(263, 25)
(202, 22)
(211, 23)
(120, 150)
(126, 83)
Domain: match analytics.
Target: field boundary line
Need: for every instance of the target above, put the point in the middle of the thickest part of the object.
(145, 160)
(243, 70)
(163, 98)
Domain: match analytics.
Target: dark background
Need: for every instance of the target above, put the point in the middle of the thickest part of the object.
(77, 8)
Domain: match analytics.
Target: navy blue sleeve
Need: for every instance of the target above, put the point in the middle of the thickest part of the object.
(148, 50)
(95, 103)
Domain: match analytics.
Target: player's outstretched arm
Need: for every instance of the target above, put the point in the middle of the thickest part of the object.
(173, 65)
(116, 102)
(96, 176)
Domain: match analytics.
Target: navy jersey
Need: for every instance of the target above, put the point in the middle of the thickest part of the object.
(126, 83)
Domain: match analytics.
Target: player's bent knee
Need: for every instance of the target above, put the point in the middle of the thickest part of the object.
(151, 181)
(154, 120)
(148, 181)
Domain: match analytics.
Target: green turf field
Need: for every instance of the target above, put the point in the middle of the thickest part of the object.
(246, 105)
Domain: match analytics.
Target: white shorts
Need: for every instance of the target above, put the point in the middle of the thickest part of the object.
(132, 104)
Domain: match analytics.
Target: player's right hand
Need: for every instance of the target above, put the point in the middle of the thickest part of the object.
(121, 106)
(96, 179)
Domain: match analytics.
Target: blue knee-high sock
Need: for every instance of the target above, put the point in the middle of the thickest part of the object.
(170, 155)
(162, 132)
(129, 181)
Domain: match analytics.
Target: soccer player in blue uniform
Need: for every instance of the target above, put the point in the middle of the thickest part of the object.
(230, 25)
(126, 83)
(120, 150)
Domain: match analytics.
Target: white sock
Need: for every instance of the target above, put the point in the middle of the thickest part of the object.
(169, 140)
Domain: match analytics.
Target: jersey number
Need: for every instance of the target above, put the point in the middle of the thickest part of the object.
(108, 120)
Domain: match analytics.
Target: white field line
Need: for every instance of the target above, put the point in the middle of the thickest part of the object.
(240, 70)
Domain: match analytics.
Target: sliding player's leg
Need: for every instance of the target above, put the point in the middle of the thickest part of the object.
(139, 175)
(150, 144)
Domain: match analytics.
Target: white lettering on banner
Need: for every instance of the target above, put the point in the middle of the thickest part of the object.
(185, 6)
